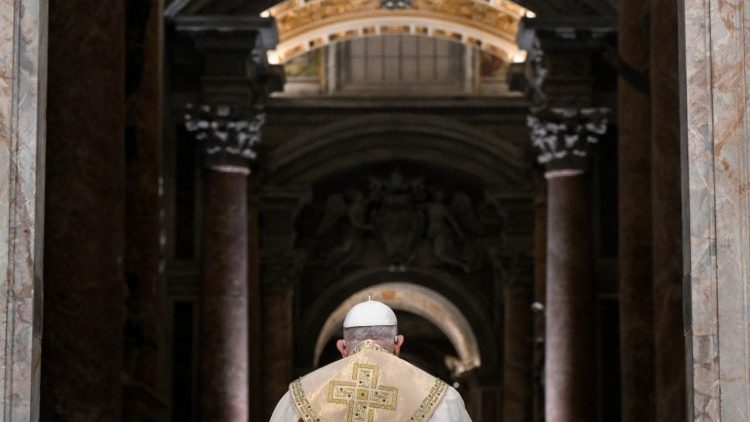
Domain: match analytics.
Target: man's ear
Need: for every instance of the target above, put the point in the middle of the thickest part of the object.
(341, 345)
(399, 340)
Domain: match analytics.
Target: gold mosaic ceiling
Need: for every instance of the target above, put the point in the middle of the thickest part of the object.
(487, 25)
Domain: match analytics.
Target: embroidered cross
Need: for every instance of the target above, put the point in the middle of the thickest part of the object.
(362, 395)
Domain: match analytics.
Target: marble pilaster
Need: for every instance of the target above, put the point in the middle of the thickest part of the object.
(144, 200)
(635, 250)
(281, 265)
(23, 77)
(716, 207)
(84, 289)
(280, 274)
(518, 343)
(669, 346)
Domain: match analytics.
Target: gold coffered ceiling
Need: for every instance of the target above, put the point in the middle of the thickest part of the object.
(489, 26)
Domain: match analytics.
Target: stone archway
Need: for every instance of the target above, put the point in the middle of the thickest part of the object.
(418, 300)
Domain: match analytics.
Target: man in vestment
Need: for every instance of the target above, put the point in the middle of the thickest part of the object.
(370, 383)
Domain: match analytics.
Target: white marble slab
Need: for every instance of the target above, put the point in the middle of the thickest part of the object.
(716, 161)
(23, 52)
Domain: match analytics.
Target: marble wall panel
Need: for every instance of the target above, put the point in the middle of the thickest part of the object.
(716, 165)
(22, 134)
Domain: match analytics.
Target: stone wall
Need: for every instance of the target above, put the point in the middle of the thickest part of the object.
(716, 176)
(23, 52)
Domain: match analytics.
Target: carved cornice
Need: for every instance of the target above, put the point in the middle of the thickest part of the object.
(227, 137)
(563, 136)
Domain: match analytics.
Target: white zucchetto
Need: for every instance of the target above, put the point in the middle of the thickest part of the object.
(369, 314)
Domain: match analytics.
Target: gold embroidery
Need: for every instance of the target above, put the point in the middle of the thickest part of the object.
(303, 405)
(430, 401)
(362, 395)
(368, 345)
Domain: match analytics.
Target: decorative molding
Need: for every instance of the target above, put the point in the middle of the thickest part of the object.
(563, 136)
(228, 139)
(395, 4)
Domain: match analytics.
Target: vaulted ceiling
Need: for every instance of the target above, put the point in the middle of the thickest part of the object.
(543, 8)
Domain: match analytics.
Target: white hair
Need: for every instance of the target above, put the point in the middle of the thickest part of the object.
(385, 334)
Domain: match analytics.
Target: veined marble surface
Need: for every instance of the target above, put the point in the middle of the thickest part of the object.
(23, 52)
(716, 161)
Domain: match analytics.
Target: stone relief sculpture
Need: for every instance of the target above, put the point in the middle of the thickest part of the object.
(442, 227)
(404, 221)
(399, 223)
(350, 246)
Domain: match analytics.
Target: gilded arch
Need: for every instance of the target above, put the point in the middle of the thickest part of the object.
(488, 26)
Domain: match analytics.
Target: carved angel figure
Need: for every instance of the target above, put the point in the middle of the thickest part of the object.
(441, 227)
(350, 244)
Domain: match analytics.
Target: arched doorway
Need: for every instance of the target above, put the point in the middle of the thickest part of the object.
(418, 300)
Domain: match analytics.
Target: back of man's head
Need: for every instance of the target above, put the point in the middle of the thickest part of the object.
(370, 320)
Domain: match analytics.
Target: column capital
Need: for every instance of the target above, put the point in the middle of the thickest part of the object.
(563, 136)
(227, 136)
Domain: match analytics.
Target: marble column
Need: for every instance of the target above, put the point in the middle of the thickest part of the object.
(84, 288)
(563, 138)
(517, 345)
(23, 78)
(716, 207)
(667, 214)
(228, 141)
(634, 178)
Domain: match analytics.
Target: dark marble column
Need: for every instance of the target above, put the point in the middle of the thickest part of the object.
(563, 138)
(227, 140)
(236, 82)
(634, 178)
(224, 312)
(85, 213)
(667, 214)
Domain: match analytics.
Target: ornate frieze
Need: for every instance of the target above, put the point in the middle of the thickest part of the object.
(563, 136)
(228, 137)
